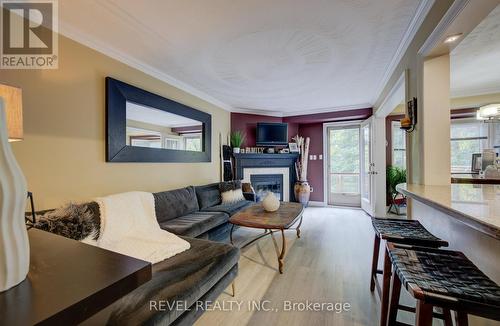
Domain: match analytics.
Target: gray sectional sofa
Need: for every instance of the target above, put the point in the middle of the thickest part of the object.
(198, 274)
(197, 211)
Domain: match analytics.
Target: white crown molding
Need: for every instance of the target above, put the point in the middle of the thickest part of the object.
(278, 114)
(445, 22)
(111, 52)
(422, 10)
(330, 109)
(391, 100)
(282, 114)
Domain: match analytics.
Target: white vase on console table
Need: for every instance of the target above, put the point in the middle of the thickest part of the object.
(14, 245)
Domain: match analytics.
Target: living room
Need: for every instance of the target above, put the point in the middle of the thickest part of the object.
(221, 163)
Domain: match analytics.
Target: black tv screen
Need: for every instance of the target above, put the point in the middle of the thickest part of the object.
(272, 134)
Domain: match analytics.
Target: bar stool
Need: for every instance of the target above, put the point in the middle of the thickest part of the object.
(409, 232)
(441, 278)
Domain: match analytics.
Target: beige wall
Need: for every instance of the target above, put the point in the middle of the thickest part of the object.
(414, 64)
(474, 101)
(63, 152)
(435, 119)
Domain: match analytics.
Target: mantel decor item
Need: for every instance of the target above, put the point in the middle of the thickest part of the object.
(14, 245)
(302, 189)
(237, 139)
(271, 202)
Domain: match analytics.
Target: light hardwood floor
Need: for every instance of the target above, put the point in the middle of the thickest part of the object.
(329, 263)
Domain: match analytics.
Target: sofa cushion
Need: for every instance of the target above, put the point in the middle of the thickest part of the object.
(194, 224)
(208, 195)
(184, 278)
(175, 203)
(230, 208)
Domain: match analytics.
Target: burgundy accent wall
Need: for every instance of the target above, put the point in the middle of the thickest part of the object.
(315, 167)
(247, 124)
(310, 125)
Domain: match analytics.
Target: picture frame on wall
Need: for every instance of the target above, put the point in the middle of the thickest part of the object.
(293, 147)
(476, 163)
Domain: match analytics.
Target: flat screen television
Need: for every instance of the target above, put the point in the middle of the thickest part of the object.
(272, 134)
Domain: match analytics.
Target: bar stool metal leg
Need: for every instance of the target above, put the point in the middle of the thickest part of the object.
(394, 301)
(376, 249)
(386, 283)
(423, 314)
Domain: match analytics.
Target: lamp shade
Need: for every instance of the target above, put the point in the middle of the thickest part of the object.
(12, 99)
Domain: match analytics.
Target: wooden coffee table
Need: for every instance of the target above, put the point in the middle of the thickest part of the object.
(283, 219)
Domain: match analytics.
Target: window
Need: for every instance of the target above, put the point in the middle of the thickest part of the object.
(172, 143)
(143, 137)
(468, 136)
(398, 145)
(192, 142)
(344, 160)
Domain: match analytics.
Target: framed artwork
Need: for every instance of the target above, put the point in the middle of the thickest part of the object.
(293, 147)
(476, 163)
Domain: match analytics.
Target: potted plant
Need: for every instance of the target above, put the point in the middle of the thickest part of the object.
(394, 176)
(237, 139)
(302, 189)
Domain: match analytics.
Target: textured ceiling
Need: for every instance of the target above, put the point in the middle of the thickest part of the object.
(282, 55)
(475, 62)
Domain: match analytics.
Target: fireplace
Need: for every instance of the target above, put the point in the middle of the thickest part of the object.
(264, 183)
(272, 172)
(276, 180)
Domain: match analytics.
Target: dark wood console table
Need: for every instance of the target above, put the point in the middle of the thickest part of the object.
(69, 281)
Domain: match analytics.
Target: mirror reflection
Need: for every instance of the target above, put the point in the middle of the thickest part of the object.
(154, 128)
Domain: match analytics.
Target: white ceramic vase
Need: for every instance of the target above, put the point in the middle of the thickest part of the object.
(14, 245)
(271, 202)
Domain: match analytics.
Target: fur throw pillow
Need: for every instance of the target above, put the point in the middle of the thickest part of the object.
(231, 191)
(74, 221)
(229, 185)
(232, 196)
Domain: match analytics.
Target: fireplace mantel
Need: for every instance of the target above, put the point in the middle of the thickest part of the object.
(254, 160)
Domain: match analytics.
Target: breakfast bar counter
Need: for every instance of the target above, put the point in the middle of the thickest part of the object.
(465, 215)
(476, 205)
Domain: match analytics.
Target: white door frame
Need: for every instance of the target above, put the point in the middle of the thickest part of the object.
(398, 93)
(368, 205)
(325, 151)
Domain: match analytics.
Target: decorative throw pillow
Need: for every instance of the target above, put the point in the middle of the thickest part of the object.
(74, 221)
(247, 187)
(231, 191)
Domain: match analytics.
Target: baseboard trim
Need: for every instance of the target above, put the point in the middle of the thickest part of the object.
(316, 204)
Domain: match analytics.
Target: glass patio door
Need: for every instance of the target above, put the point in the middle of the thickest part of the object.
(343, 165)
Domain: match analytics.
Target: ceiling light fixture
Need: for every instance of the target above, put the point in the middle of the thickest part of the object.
(452, 38)
(489, 112)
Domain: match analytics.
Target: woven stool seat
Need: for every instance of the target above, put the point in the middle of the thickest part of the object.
(445, 277)
(406, 232)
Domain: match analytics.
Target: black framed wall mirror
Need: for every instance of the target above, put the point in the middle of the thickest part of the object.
(145, 127)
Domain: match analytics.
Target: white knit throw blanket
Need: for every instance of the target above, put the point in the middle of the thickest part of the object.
(129, 227)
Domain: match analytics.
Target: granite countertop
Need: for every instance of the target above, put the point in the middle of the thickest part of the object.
(477, 205)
